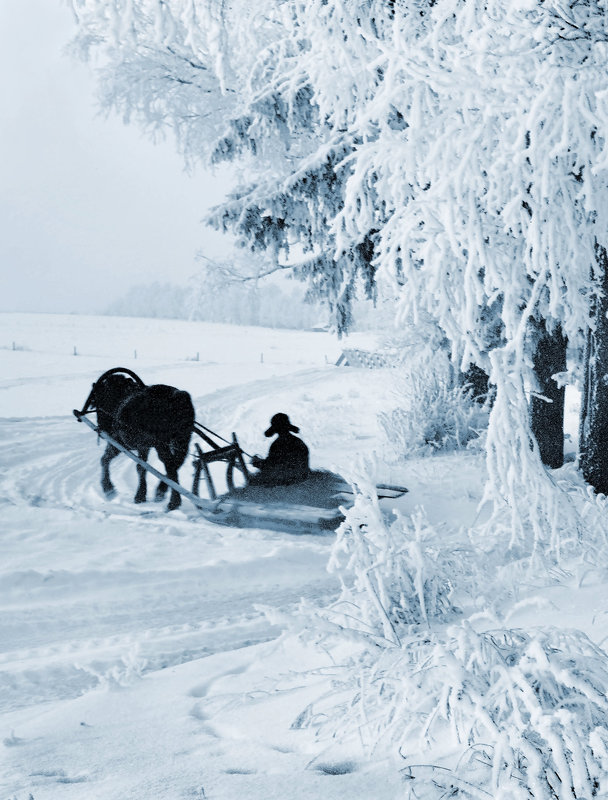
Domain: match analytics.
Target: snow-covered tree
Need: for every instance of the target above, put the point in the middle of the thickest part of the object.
(474, 178)
(173, 66)
(477, 173)
(452, 151)
(210, 72)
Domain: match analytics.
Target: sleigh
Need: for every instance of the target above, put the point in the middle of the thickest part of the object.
(311, 505)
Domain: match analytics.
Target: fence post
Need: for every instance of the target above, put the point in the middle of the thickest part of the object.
(75, 351)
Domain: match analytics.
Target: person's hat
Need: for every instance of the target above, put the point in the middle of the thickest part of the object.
(279, 424)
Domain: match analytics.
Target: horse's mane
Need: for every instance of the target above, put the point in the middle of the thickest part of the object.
(109, 392)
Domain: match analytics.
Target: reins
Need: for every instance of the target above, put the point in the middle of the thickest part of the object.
(198, 429)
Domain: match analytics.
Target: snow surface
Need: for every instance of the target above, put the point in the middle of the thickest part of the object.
(137, 658)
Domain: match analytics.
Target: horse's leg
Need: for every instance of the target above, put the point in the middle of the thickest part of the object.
(161, 491)
(164, 453)
(106, 484)
(173, 457)
(175, 500)
(142, 489)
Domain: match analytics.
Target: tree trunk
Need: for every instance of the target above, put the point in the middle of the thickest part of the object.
(593, 440)
(547, 410)
(476, 381)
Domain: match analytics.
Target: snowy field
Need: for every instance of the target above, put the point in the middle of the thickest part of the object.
(149, 656)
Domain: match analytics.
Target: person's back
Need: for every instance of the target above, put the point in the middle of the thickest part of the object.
(287, 460)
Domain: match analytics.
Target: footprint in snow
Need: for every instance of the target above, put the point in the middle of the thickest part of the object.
(59, 776)
(198, 713)
(202, 690)
(12, 740)
(239, 771)
(341, 768)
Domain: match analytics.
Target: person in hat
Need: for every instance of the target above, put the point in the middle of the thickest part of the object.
(287, 459)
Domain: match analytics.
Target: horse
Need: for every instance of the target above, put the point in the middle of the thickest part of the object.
(141, 418)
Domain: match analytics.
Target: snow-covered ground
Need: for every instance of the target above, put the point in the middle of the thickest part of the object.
(143, 653)
(134, 649)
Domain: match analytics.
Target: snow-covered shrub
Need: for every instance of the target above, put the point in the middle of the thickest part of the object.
(510, 715)
(433, 414)
(394, 574)
(529, 707)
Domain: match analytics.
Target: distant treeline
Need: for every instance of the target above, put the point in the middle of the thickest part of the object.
(267, 305)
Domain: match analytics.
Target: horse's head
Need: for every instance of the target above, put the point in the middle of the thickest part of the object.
(107, 394)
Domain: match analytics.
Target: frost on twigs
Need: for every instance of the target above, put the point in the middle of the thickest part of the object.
(529, 510)
(502, 713)
(507, 714)
(433, 414)
(394, 574)
(523, 714)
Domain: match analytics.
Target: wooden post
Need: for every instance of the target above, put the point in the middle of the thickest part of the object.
(239, 456)
(75, 351)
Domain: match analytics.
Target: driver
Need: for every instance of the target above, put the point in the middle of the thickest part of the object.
(287, 459)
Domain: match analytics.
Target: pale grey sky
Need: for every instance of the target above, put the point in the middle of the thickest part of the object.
(88, 206)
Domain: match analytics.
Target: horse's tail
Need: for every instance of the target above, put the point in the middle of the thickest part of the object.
(184, 411)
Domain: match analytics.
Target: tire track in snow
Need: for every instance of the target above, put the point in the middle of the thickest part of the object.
(54, 463)
(234, 395)
(66, 668)
(60, 648)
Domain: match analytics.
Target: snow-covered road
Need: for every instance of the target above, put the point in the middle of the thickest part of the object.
(123, 624)
(88, 585)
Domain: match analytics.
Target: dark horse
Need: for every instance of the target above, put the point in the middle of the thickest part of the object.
(140, 418)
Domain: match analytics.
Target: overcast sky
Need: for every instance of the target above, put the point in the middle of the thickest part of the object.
(88, 207)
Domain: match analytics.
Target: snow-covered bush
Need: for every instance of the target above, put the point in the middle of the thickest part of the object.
(394, 575)
(505, 713)
(510, 715)
(528, 707)
(433, 414)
